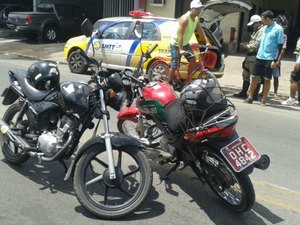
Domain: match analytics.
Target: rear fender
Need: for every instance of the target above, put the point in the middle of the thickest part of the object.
(117, 140)
(10, 96)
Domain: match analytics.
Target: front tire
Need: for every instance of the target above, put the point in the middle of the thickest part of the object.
(10, 151)
(129, 128)
(112, 199)
(234, 189)
(77, 63)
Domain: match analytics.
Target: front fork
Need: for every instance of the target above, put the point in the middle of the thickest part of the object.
(107, 138)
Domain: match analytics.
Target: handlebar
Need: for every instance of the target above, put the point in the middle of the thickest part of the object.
(190, 54)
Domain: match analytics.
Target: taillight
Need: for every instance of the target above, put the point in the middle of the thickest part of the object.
(227, 132)
(28, 19)
(200, 135)
(219, 132)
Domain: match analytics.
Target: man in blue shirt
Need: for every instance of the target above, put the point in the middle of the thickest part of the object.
(267, 55)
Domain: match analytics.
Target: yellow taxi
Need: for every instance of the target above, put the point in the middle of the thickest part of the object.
(115, 42)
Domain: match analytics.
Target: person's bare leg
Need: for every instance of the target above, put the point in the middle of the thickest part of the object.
(276, 85)
(266, 89)
(253, 84)
(171, 74)
(293, 89)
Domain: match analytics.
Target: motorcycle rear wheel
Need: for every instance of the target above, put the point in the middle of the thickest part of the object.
(112, 199)
(10, 151)
(234, 189)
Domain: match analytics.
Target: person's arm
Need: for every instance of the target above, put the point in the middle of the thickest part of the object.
(282, 52)
(183, 22)
(202, 34)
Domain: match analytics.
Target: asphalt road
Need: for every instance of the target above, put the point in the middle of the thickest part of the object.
(37, 194)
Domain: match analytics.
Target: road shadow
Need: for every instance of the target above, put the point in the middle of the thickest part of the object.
(228, 91)
(208, 202)
(50, 177)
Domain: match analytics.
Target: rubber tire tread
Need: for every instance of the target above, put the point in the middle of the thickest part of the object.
(9, 156)
(116, 214)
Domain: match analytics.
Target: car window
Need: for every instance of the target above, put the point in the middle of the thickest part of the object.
(116, 31)
(100, 24)
(150, 32)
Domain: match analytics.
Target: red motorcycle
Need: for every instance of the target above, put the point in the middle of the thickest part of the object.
(197, 129)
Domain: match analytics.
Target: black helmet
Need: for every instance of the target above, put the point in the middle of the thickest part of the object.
(282, 20)
(203, 97)
(43, 75)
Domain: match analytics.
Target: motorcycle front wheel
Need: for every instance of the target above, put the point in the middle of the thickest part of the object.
(133, 129)
(11, 151)
(112, 198)
(234, 189)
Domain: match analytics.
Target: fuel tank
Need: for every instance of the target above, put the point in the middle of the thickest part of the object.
(158, 91)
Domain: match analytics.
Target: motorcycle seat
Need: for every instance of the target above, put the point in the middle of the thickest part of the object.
(30, 92)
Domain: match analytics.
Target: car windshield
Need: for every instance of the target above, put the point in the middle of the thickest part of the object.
(100, 24)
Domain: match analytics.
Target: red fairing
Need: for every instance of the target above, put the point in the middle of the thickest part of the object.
(161, 92)
(129, 112)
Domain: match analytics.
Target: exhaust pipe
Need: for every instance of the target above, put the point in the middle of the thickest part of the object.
(8, 133)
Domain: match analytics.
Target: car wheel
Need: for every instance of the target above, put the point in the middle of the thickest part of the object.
(159, 69)
(50, 34)
(77, 63)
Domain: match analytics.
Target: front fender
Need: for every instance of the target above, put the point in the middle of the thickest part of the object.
(129, 113)
(118, 140)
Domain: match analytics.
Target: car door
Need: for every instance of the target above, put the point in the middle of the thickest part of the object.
(151, 36)
(111, 43)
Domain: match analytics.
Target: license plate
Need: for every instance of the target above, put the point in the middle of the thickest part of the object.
(240, 154)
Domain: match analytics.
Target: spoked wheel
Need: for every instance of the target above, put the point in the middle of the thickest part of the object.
(10, 151)
(107, 198)
(234, 189)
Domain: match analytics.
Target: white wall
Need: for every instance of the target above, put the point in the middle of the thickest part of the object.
(167, 10)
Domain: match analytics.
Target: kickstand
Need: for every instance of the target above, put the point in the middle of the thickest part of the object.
(171, 170)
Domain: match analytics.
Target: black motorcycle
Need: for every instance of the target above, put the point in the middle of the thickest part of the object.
(46, 119)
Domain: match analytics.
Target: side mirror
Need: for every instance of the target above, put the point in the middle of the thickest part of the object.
(87, 28)
(138, 30)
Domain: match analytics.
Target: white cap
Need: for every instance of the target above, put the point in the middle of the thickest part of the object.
(254, 19)
(196, 4)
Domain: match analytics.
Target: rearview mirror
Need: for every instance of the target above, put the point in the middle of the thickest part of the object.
(87, 27)
(138, 30)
